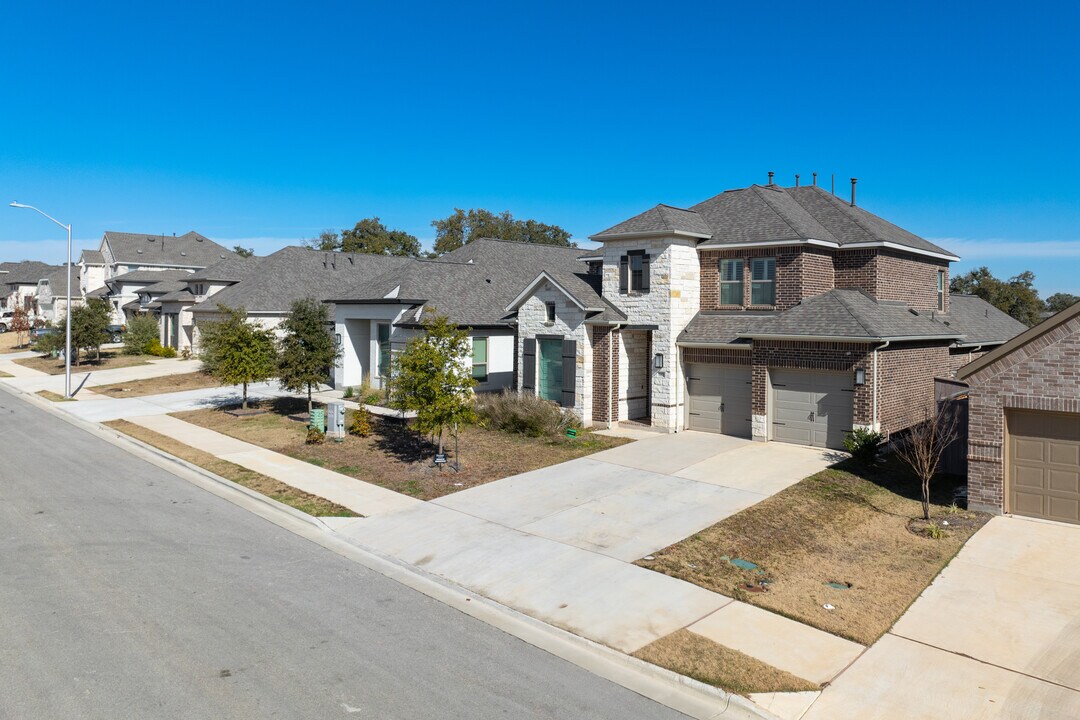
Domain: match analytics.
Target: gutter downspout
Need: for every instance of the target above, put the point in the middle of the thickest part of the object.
(876, 425)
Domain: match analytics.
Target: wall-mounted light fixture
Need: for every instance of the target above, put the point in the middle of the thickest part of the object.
(658, 361)
(337, 339)
(860, 376)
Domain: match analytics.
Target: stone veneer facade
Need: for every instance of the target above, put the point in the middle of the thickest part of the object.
(1043, 374)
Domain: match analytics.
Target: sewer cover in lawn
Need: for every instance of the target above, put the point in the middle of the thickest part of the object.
(839, 585)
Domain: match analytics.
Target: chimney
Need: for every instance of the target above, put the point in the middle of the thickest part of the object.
(796, 179)
(853, 181)
(815, 179)
(770, 177)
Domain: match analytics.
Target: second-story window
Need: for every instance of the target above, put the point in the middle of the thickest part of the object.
(549, 312)
(763, 281)
(634, 272)
(941, 290)
(731, 282)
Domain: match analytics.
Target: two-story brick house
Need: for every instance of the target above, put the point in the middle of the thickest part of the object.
(767, 312)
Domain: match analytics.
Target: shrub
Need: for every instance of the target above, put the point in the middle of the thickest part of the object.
(524, 413)
(863, 444)
(374, 399)
(156, 348)
(360, 423)
(49, 343)
(315, 436)
(186, 353)
(348, 392)
(140, 335)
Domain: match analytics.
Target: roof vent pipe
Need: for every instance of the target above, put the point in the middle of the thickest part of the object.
(796, 179)
(770, 177)
(815, 179)
(853, 181)
(833, 187)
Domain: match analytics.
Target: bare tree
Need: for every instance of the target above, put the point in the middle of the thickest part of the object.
(925, 443)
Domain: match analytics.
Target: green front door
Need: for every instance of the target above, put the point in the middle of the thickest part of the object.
(549, 383)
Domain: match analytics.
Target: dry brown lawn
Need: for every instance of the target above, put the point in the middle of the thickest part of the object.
(700, 658)
(9, 342)
(842, 525)
(5, 374)
(158, 385)
(55, 397)
(286, 494)
(394, 457)
(110, 360)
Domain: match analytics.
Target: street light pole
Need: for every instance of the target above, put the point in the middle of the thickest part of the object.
(67, 339)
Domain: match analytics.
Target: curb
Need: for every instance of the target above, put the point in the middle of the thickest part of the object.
(678, 692)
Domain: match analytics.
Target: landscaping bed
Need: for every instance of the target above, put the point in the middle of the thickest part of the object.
(286, 494)
(110, 360)
(394, 457)
(844, 537)
(158, 385)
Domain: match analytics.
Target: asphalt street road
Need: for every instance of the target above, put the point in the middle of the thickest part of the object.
(126, 592)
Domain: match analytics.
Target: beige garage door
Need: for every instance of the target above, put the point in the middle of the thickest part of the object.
(1044, 465)
(719, 398)
(811, 408)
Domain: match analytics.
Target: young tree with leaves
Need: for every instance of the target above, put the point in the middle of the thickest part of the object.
(431, 377)
(20, 324)
(924, 444)
(140, 334)
(307, 351)
(88, 328)
(237, 351)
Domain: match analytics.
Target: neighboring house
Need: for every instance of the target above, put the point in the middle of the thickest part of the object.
(471, 286)
(1024, 422)
(176, 302)
(124, 291)
(269, 288)
(768, 313)
(19, 284)
(51, 293)
(91, 271)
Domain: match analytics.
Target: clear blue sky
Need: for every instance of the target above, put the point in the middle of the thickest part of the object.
(263, 123)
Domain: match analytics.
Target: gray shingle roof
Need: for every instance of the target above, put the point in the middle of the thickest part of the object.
(149, 277)
(232, 269)
(473, 284)
(190, 249)
(980, 322)
(27, 272)
(180, 296)
(771, 213)
(662, 218)
(165, 286)
(92, 257)
(57, 277)
(100, 292)
(294, 273)
(723, 328)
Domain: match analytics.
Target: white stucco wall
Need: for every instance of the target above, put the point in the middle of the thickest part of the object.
(569, 324)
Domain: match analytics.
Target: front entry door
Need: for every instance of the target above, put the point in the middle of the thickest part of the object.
(550, 380)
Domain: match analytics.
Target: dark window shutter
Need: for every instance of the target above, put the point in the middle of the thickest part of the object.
(528, 365)
(569, 372)
(645, 274)
(624, 275)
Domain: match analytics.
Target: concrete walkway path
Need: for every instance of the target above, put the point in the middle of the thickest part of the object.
(997, 635)
(494, 543)
(29, 380)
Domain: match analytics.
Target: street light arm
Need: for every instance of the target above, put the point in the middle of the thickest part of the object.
(31, 207)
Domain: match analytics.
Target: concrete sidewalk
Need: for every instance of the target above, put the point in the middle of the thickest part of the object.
(560, 581)
(32, 381)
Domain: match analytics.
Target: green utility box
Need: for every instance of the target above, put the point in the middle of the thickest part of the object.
(318, 419)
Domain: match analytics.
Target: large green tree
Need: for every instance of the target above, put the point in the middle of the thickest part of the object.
(1060, 301)
(431, 377)
(88, 329)
(237, 351)
(1016, 296)
(462, 227)
(307, 351)
(371, 236)
(327, 240)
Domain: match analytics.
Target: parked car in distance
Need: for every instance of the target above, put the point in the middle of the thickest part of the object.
(42, 331)
(5, 320)
(116, 333)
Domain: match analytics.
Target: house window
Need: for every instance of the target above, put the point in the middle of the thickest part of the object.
(941, 290)
(200, 289)
(731, 282)
(479, 359)
(763, 281)
(634, 273)
(384, 350)
(549, 312)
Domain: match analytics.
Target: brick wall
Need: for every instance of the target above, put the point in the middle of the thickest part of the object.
(856, 269)
(800, 272)
(906, 384)
(725, 356)
(604, 361)
(1042, 375)
(912, 279)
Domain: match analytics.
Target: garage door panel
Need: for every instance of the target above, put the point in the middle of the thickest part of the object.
(719, 398)
(811, 408)
(1044, 465)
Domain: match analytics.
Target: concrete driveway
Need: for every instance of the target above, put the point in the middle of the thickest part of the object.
(635, 499)
(997, 635)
